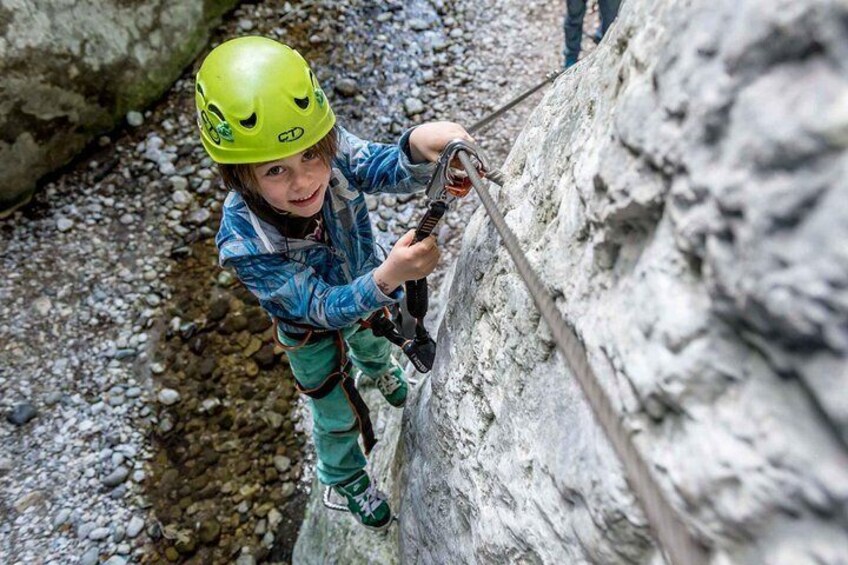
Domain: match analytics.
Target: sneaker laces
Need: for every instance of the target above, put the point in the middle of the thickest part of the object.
(369, 500)
(388, 383)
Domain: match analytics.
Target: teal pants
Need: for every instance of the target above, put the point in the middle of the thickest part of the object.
(335, 429)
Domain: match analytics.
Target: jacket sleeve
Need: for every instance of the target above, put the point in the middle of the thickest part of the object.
(293, 291)
(380, 167)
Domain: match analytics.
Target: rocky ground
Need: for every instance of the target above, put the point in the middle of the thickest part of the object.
(147, 415)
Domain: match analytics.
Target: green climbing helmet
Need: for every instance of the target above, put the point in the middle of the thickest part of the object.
(257, 100)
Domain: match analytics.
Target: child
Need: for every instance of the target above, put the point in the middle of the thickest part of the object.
(295, 229)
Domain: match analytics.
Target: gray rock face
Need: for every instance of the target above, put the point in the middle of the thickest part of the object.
(683, 193)
(72, 70)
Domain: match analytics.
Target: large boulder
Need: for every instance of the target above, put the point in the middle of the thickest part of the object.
(683, 194)
(72, 70)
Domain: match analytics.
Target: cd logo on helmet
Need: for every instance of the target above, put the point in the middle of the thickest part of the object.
(211, 131)
(293, 134)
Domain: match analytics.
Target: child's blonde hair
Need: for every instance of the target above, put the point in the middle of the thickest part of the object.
(242, 179)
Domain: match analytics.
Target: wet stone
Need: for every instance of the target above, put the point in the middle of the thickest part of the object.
(265, 357)
(218, 309)
(209, 531)
(186, 544)
(187, 330)
(282, 463)
(206, 367)
(233, 324)
(198, 344)
(252, 347)
(258, 323)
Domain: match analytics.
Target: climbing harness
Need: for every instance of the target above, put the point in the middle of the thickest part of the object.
(340, 377)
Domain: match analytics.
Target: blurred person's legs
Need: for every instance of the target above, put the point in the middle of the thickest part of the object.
(573, 28)
(609, 10)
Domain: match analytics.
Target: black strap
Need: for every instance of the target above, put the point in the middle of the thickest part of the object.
(323, 389)
(357, 404)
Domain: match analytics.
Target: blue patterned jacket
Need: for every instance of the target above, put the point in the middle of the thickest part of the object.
(309, 282)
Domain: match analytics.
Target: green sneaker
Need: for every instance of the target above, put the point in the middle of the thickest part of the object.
(393, 386)
(365, 502)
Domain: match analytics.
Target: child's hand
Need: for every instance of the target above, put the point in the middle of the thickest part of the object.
(427, 140)
(407, 262)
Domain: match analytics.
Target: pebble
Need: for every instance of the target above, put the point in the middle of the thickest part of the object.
(99, 534)
(21, 414)
(42, 305)
(287, 489)
(134, 118)
(274, 519)
(64, 224)
(209, 531)
(347, 87)
(199, 216)
(61, 518)
(126, 219)
(134, 527)
(282, 463)
(116, 477)
(181, 199)
(124, 548)
(116, 560)
(178, 182)
(413, 106)
(53, 398)
(168, 396)
(245, 559)
(84, 529)
(417, 24)
(90, 557)
(225, 279)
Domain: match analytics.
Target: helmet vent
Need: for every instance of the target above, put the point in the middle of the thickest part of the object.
(214, 109)
(200, 89)
(249, 122)
(302, 103)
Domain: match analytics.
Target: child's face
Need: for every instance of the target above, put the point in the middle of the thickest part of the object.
(295, 184)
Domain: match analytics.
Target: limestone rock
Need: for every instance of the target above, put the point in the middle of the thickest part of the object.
(73, 70)
(682, 191)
